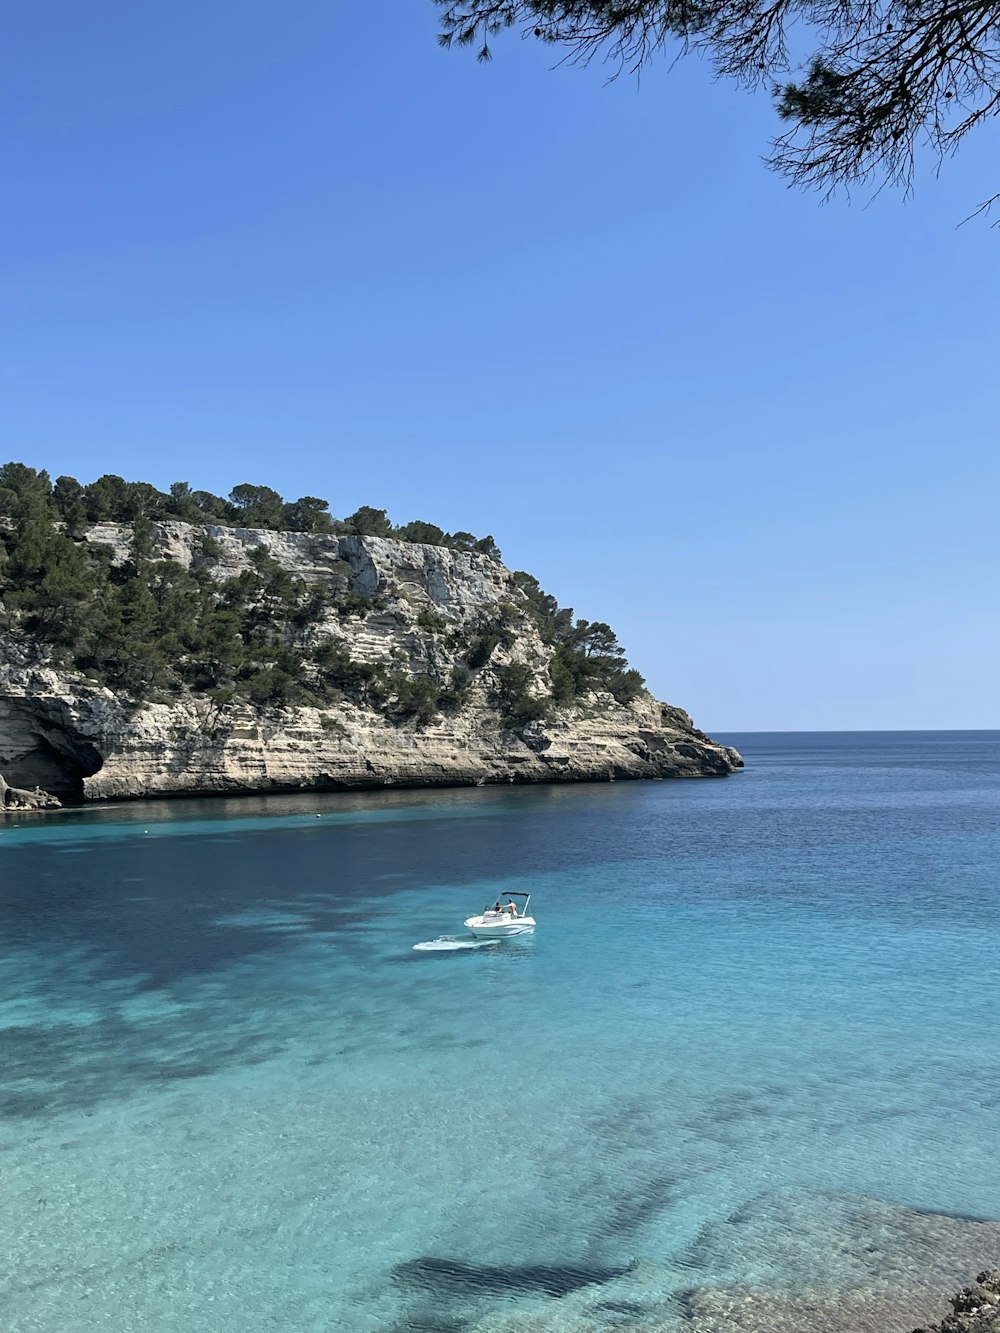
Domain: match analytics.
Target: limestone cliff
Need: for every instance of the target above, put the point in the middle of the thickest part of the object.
(409, 607)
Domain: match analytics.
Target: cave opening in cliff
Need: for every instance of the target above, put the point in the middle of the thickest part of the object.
(68, 769)
(35, 753)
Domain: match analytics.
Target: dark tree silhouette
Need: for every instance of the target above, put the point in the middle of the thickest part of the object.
(864, 85)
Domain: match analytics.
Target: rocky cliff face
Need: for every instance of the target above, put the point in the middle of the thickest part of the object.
(412, 608)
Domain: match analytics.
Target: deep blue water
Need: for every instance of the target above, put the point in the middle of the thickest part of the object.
(753, 1044)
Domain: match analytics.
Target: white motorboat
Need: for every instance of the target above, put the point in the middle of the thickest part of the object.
(503, 919)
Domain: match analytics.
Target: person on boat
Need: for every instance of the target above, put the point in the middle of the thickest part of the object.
(496, 906)
(512, 908)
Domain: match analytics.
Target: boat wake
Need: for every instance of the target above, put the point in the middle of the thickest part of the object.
(451, 943)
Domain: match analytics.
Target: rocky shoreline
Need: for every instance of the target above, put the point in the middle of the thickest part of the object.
(64, 740)
(17, 800)
(975, 1309)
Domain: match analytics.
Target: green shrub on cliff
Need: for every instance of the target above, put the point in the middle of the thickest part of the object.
(587, 654)
(431, 621)
(485, 643)
(516, 697)
(148, 626)
(414, 696)
(455, 694)
(112, 499)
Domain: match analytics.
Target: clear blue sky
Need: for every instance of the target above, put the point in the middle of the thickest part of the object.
(301, 245)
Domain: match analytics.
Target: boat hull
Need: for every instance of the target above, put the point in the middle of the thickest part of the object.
(486, 929)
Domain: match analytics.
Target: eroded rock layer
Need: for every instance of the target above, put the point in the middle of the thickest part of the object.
(413, 607)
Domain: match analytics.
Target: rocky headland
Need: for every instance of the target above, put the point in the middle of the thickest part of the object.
(416, 665)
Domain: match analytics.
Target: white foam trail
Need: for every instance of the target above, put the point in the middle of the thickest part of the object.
(450, 943)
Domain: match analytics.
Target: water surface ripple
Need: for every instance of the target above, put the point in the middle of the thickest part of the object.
(745, 1076)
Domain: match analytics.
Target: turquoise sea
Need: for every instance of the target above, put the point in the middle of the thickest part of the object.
(745, 1075)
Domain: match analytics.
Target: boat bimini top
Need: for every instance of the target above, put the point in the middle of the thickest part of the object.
(514, 893)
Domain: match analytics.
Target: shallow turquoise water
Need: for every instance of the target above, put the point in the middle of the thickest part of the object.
(753, 1039)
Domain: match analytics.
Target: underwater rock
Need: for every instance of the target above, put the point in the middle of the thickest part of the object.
(451, 1276)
